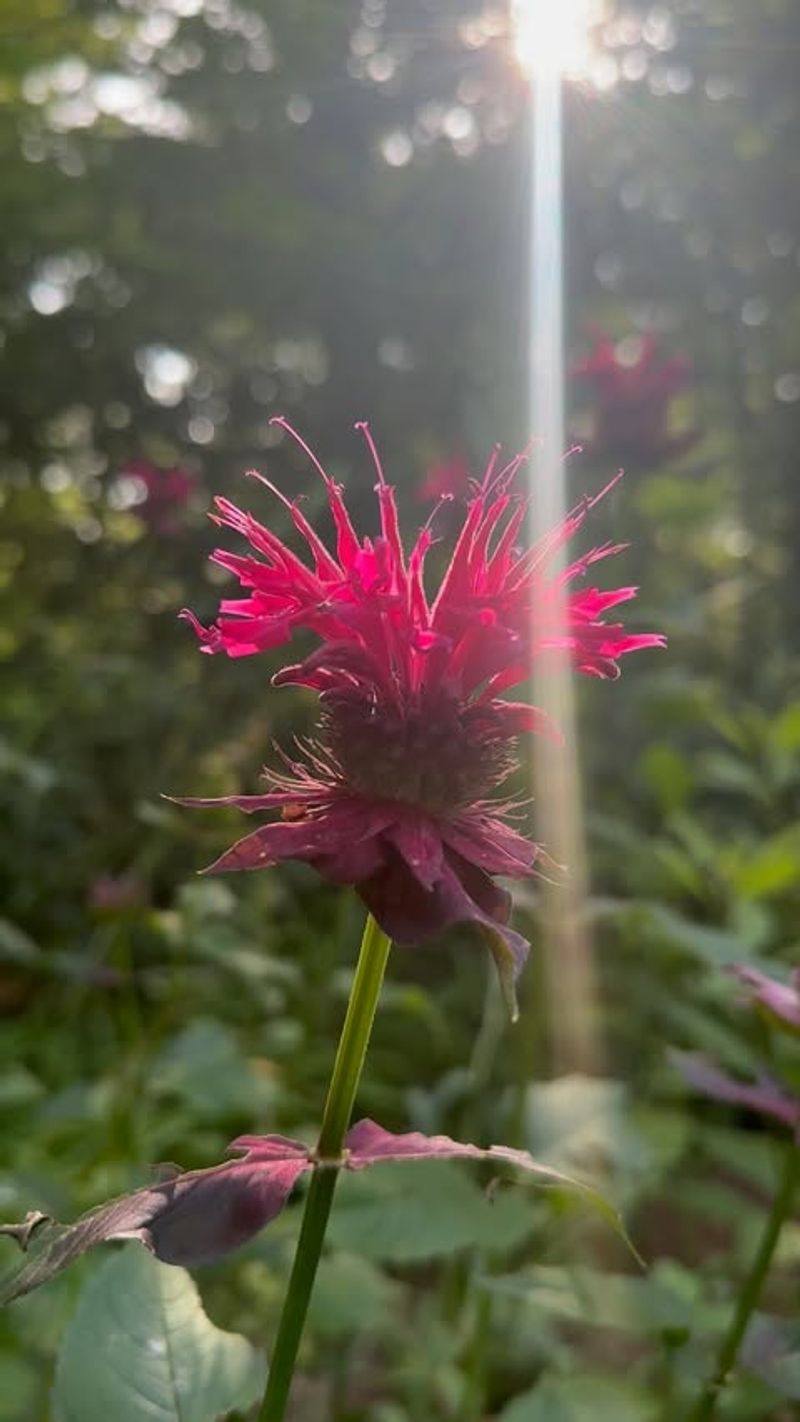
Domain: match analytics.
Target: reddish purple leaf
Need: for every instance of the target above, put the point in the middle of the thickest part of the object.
(194, 1216)
(763, 1095)
(369, 1144)
(201, 1214)
(780, 1002)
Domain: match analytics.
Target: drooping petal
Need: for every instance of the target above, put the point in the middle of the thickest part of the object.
(420, 845)
(309, 838)
(463, 894)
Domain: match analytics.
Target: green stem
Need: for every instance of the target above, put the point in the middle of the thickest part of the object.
(751, 1290)
(344, 1081)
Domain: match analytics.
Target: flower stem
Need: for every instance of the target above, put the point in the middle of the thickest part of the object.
(751, 1289)
(342, 1090)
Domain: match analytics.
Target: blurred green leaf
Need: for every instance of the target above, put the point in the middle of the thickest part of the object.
(668, 1301)
(770, 869)
(351, 1296)
(401, 1214)
(141, 1345)
(205, 1067)
(591, 1398)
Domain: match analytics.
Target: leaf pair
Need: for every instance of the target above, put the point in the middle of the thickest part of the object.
(197, 1215)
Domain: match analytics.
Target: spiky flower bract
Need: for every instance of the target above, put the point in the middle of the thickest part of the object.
(396, 793)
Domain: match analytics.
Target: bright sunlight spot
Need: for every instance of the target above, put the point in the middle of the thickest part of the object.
(551, 37)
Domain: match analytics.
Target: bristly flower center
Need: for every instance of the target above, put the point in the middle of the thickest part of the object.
(437, 757)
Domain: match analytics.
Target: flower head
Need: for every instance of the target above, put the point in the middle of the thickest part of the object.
(633, 399)
(396, 792)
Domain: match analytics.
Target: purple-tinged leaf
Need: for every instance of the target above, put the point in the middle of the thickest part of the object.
(192, 1217)
(369, 1144)
(771, 1349)
(779, 1002)
(198, 1215)
(763, 1095)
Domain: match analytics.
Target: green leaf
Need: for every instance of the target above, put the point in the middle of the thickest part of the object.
(16, 947)
(400, 1214)
(583, 1123)
(352, 1296)
(140, 1348)
(582, 1399)
(773, 868)
(20, 1386)
(205, 1067)
(668, 1301)
(772, 1350)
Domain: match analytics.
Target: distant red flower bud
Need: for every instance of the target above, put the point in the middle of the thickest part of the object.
(166, 494)
(116, 893)
(632, 401)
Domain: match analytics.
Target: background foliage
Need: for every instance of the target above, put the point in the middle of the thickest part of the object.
(214, 212)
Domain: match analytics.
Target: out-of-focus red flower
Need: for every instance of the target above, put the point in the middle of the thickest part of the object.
(395, 793)
(449, 479)
(632, 402)
(167, 492)
(111, 894)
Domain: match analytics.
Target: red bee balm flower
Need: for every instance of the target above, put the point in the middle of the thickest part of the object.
(166, 495)
(633, 402)
(394, 793)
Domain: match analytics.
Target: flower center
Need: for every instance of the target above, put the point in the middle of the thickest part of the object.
(438, 757)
